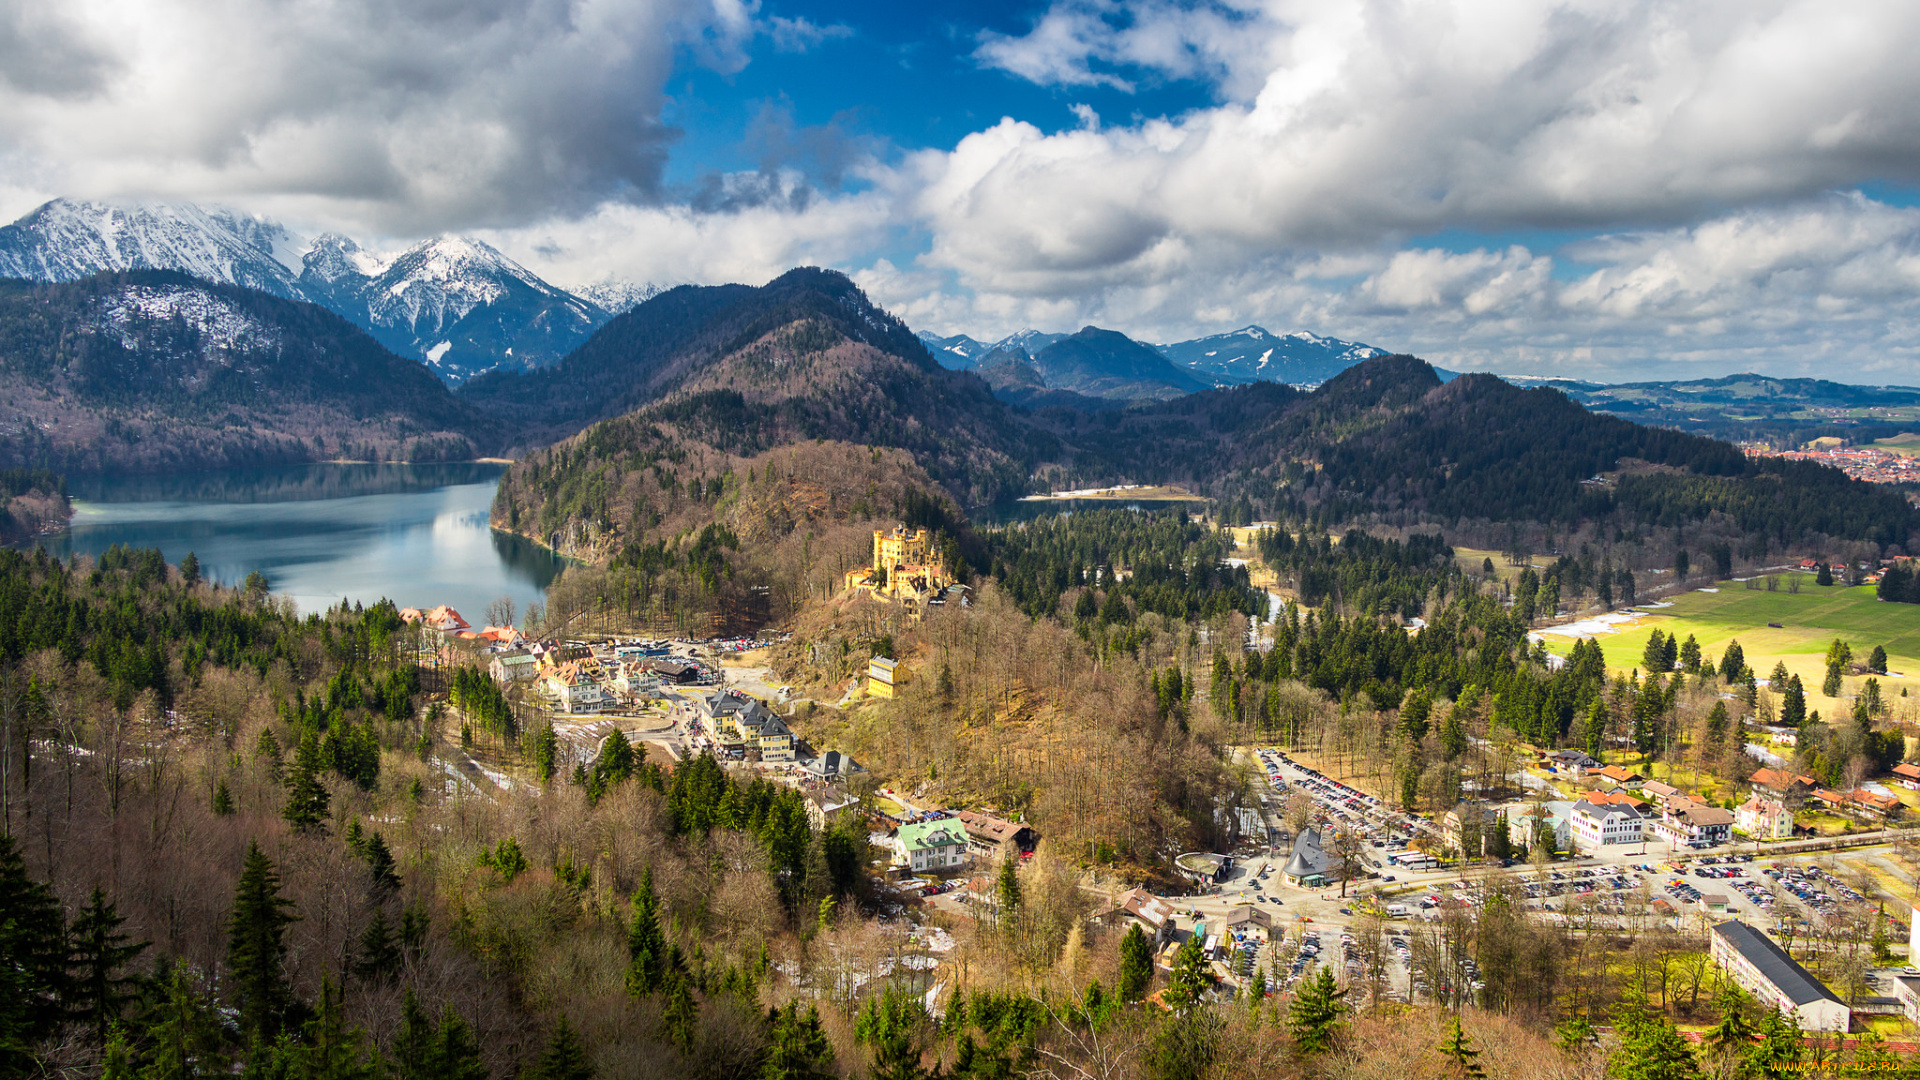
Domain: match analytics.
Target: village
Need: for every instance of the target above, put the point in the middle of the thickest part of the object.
(1326, 874)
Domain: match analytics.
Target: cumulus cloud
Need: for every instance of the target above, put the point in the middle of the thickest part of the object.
(407, 117)
(1374, 121)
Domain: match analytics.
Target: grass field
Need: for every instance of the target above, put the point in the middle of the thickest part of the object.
(1808, 623)
(1906, 444)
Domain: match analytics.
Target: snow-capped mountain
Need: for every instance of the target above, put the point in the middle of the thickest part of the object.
(456, 303)
(1249, 354)
(616, 297)
(1252, 354)
(963, 353)
(65, 240)
(453, 303)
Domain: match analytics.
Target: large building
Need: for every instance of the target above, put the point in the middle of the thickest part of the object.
(1764, 819)
(1763, 969)
(905, 567)
(1597, 827)
(1685, 823)
(936, 846)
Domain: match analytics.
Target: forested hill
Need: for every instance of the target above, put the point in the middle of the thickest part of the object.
(741, 370)
(1387, 440)
(155, 370)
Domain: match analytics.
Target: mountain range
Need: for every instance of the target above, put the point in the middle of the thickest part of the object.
(453, 303)
(1109, 371)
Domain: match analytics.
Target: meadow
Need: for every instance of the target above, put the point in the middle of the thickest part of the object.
(1808, 622)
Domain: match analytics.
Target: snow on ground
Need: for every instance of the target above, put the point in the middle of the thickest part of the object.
(1610, 623)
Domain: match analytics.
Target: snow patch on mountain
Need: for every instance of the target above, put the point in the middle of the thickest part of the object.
(617, 297)
(219, 324)
(65, 240)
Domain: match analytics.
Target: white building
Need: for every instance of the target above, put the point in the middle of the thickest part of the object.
(924, 846)
(1764, 970)
(1598, 827)
(1764, 819)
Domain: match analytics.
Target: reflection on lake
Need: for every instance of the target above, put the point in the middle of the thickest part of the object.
(416, 534)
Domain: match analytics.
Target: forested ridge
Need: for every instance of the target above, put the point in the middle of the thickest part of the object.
(155, 370)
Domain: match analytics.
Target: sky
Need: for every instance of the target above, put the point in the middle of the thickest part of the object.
(1592, 188)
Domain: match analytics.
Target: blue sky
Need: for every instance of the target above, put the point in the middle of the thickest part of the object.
(1603, 189)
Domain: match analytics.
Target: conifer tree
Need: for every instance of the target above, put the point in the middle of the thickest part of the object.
(1733, 662)
(307, 798)
(183, 1029)
(1007, 890)
(377, 958)
(257, 950)
(646, 943)
(97, 952)
(32, 953)
(223, 800)
(563, 1058)
(333, 1050)
(1136, 964)
(1460, 1052)
(1314, 1016)
(1877, 660)
(799, 1048)
(380, 863)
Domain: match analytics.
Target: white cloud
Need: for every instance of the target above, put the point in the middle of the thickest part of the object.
(399, 117)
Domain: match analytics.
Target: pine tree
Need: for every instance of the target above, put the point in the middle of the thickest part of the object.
(33, 954)
(681, 1014)
(798, 1049)
(1654, 655)
(256, 948)
(307, 798)
(267, 751)
(422, 1052)
(97, 951)
(456, 1052)
(1007, 891)
(1877, 660)
(380, 863)
(1189, 980)
(223, 800)
(190, 569)
(890, 1024)
(183, 1029)
(563, 1058)
(546, 753)
(332, 1050)
(1136, 964)
(1690, 655)
(646, 943)
(1459, 1050)
(1824, 576)
(1733, 662)
(377, 958)
(1314, 1016)
(1733, 1034)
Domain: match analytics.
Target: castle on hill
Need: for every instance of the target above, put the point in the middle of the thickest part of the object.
(905, 568)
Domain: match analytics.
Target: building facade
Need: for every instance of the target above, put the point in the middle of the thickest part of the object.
(1763, 969)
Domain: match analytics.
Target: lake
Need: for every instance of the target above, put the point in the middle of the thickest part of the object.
(415, 534)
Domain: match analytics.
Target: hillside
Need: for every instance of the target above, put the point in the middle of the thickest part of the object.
(153, 370)
(1108, 364)
(742, 370)
(1254, 354)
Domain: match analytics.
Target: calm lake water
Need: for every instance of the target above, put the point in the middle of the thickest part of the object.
(415, 534)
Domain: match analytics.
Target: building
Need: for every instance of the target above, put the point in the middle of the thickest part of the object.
(1859, 803)
(884, 676)
(1763, 969)
(1618, 774)
(1466, 827)
(671, 672)
(1577, 762)
(1248, 918)
(1659, 791)
(1154, 915)
(576, 689)
(1713, 902)
(1596, 828)
(1764, 819)
(739, 723)
(832, 766)
(1685, 823)
(512, 667)
(906, 567)
(826, 807)
(1781, 786)
(1618, 798)
(1552, 819)
(930, 846)
(1906, 990)
(996, 838)
(1309, 866)
(1907, 775)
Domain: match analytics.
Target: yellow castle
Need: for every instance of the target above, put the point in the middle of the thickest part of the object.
(905, 567)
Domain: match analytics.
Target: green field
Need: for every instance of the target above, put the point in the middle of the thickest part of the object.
(1808, 622)
(1905, 444)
